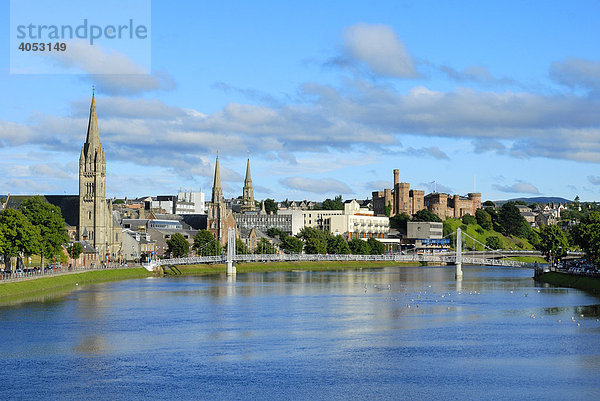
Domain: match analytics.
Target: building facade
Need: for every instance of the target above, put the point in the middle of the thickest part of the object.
(352, 222)
(219, 218)
(454, 206)
(400, 199)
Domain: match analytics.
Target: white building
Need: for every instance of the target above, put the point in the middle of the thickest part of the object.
(186, 202)
(189, 202)
(352, 222)
(288, 221)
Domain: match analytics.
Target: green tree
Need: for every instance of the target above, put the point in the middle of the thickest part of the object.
(534, 238)
(337, 244)
(48, 218)
(399, 221)
(75, 250)
(315, 240)
(493, 242)
(586, 234)
(241, 248)
(511, 222)
(178, 246)
(468, 219)
(205, 244)
(270, 206)
(483, 219)
(426, 215)
(18, 234)
(553, 243)
(275, 232)
(292, 244)
(336, 204)
(264, 246)
(360, 247)
(377, 248)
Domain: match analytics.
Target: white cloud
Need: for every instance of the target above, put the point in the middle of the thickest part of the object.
(431, 151)
(112, 72)
(14, 134)
(318, 186)
(477, 74)
(380, 49)
(594, 179)
(577, 73)
(378, 185)
(520, 187)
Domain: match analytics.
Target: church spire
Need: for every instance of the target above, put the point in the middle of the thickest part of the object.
(248, 193)
(93, 135)
(248, 180)
(217, 191)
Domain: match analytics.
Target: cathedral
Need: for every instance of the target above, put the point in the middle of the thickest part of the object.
(219, 218)
(96, 224)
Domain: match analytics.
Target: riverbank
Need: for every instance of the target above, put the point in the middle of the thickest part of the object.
(63, 283)
(570, 280)
(285, 266)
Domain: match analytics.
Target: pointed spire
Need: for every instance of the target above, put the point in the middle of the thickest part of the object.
(248, 179)
(217, 191)
(93, 135)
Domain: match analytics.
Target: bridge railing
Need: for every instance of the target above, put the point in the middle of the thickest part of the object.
(440, 258)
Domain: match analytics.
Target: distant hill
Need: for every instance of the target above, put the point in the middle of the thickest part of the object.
(538, 199)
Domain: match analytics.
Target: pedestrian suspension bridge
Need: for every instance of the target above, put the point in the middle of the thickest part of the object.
(489, 257)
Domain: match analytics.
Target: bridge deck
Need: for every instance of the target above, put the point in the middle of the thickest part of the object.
(449, 259)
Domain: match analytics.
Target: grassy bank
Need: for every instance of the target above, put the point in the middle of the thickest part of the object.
(529, 259)
(480, 234)
(572, 281)
(286, 266)
(66, 282)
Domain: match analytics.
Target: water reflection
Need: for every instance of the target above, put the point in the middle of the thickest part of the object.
(362, 334)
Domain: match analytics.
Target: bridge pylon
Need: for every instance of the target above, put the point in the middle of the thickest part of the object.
(459, 273)
(231, 271)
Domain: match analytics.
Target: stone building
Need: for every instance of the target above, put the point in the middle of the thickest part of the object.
(96, 223)
(248, 192)
(400, 199)
(455, 206)
(219, 219)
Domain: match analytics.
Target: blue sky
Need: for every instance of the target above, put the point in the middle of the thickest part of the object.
(326, 97)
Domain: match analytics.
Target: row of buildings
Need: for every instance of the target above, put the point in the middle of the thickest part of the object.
(140, 228)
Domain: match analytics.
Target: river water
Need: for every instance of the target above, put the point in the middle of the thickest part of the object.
(394, 333)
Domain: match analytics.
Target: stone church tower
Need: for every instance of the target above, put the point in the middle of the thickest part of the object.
(219, 219)
(248, 195)
(95, 215)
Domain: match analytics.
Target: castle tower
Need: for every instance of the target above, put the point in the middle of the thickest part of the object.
(248, 195)
(94, 219)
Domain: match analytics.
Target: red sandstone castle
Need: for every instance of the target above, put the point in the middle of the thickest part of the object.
(402, 199)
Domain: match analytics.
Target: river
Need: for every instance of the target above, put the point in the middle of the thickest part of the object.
(393, 333)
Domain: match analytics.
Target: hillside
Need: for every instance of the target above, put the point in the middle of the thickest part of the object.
(475, 231)
(537, 199)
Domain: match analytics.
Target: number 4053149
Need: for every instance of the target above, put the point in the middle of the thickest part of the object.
(41, 47)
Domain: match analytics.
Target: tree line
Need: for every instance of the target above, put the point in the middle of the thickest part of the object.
(35, 228)
(310, 240)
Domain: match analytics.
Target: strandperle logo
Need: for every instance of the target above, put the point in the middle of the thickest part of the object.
(92, 32)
